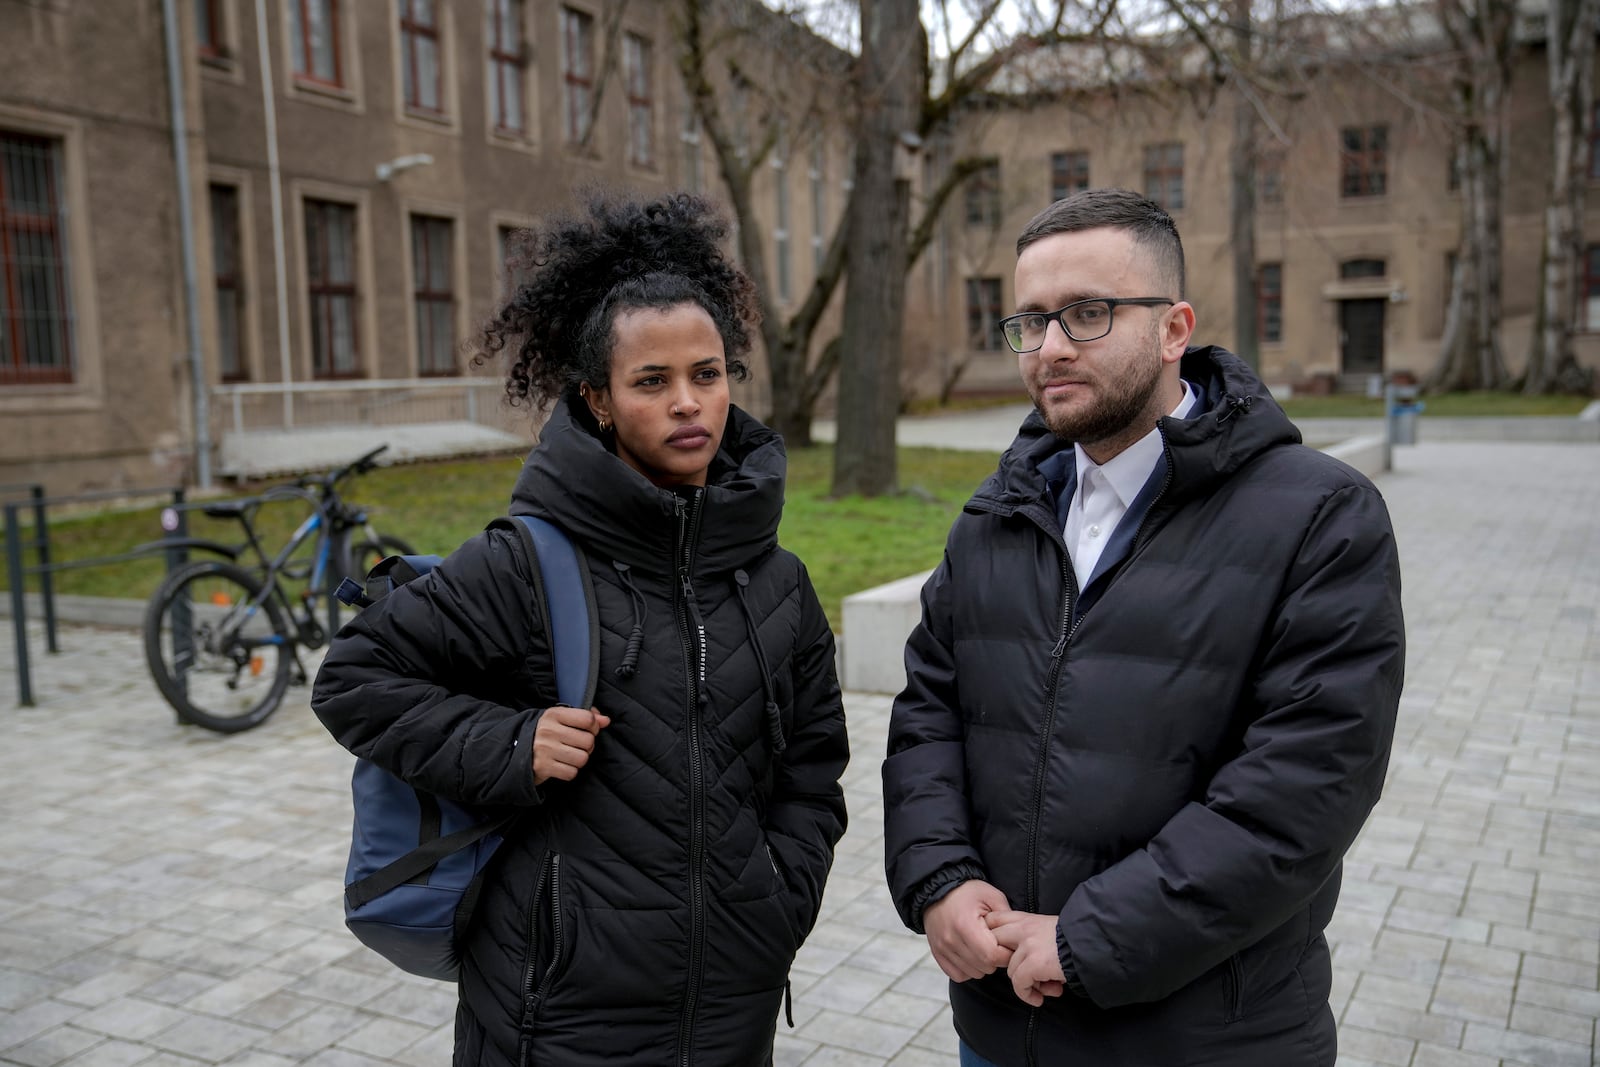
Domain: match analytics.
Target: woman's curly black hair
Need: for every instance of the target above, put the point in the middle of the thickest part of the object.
(582, 268)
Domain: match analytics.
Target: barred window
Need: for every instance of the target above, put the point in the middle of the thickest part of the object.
(1269, 303)
(35, 312)
(226, 270)
(332, 295)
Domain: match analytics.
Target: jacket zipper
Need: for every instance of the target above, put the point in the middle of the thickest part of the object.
(692, 629)
(536, 993)
(1069, 585)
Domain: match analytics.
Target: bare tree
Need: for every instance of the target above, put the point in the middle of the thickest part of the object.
(1480, 35)
(890, 85)
(705, 32)
(1570, 47)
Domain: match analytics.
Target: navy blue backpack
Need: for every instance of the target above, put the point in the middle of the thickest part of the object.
(416, 859)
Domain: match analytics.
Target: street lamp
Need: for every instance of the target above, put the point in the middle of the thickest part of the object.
(395, 166)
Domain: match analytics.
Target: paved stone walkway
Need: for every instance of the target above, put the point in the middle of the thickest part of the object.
(170, 898)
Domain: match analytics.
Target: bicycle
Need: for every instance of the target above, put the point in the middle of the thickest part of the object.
(222, 639)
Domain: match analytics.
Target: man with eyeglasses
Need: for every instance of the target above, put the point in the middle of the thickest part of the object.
(1151, 698)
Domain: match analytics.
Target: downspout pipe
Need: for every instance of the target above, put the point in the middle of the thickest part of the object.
(269, 109)
(191, 294)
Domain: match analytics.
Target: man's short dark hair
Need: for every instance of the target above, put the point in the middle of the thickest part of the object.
(1122, 209)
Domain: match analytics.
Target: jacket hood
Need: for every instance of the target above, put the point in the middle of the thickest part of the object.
(572, 479)
(1241, 420)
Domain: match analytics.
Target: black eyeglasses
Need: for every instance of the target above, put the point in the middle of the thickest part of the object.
(1085, 320)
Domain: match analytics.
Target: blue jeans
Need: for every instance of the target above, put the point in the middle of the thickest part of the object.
(970, 1058)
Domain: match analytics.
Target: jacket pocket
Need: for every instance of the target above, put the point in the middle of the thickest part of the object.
(1232, 990)
(547, 937)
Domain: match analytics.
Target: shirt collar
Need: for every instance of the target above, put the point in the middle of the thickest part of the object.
(1128, 470)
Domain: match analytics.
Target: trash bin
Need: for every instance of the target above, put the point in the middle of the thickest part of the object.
(1403, 409)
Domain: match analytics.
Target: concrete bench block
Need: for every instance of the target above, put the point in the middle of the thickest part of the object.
(877, 622)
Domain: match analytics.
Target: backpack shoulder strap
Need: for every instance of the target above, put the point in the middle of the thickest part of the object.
(565, 594)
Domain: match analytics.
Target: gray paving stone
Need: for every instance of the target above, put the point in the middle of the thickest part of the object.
(54, 1047)
(1470, 999)
(1436, 1056)
(113, 1054)
(1373, 1047)
(1526, 1047)
(1404, 1022)
(209, 1039)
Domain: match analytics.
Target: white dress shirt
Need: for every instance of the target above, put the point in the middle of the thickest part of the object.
(1105, 490)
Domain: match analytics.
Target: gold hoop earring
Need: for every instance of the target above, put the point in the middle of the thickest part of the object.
(605, 425)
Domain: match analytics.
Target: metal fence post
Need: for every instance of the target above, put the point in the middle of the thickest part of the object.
(19, 615)
(175, 522)
(47, 584)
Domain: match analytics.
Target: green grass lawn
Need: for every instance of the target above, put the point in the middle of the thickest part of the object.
(848, 544)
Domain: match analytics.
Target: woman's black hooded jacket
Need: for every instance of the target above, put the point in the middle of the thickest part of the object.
(648, 911)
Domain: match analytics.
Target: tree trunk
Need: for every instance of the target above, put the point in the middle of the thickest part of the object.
(790, 410)
(890, 89)
(1552, 364)
(795, 383)
(1470, 355)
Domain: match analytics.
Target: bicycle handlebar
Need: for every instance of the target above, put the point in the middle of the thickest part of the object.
(360, 466)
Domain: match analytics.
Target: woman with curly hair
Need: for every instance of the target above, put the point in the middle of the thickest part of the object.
(676, 836)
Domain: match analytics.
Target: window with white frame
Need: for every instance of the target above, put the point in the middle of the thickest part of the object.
(1163, 174)
(226, 267)
(420, 76)
(506, 76)
(780, 232)
(637, 73)
(983, 314)
(314, 41)
(433, 295)
(693, 178)
(577, 72)
(818, 175)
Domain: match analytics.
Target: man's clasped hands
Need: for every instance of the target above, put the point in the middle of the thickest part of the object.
(973, 932)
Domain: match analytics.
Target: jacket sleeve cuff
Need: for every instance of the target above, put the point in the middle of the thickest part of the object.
(938, 886)
(1069, 969)
(524, 746)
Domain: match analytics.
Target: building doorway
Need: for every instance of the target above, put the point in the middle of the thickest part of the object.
(1361, 336)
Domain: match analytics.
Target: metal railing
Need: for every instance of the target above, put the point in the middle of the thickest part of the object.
(366, 402)
(18, 570)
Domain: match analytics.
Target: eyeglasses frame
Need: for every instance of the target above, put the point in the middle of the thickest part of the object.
(1111, 302)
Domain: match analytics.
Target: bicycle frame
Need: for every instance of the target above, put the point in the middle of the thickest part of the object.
(308, 631)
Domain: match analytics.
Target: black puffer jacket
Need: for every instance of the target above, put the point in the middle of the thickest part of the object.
(647, 912)
(1178, 770)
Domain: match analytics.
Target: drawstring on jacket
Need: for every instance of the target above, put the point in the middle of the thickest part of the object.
(630, 655)
(774, 717)
(1236, 404)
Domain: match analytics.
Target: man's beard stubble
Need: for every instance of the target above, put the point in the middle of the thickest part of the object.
(1123, 401)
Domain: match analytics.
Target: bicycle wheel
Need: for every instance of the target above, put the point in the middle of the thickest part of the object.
(220, 653)
(366, 551)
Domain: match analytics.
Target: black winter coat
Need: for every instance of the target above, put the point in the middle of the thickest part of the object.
(647, 912)
(1176, 771)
